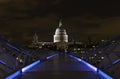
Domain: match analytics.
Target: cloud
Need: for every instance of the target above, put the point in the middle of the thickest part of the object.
(94, 26)
(21, 18)
(4, 1)
(25, 28)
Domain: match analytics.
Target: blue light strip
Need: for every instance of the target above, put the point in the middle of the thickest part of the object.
(104, 75)
(27, 67)
(116, 61)
(94, 68)
(2, 62)
(13, 47)
(49, 57)
(89, 65)
(35, 63)
(30, 66)
(75, 58)
(23, 70)
(13, 75)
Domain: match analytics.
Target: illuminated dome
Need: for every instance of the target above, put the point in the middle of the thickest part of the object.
(60, 34)
(60, 31)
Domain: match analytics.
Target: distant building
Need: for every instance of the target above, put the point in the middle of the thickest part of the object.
(60, 38)
(60, 34)
(35, 39)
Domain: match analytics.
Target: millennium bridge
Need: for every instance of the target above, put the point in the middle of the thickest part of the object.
(16, 62)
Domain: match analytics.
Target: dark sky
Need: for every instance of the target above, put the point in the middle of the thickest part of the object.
(19, 19)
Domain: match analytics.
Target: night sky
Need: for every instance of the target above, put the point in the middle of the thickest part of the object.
(19, 19)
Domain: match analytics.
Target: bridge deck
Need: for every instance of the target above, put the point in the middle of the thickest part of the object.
(60, 67)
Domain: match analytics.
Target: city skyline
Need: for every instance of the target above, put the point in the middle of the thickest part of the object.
(82, 19)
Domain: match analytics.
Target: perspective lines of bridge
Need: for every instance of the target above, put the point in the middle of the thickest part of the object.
(60, 67)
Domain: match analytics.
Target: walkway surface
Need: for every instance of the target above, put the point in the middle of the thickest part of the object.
(60, 67)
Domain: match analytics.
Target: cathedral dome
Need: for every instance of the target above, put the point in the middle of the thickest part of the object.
(60, 31)
(60, 34)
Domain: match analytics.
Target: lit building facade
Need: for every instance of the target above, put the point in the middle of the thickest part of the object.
(60, 38)
(60, 34)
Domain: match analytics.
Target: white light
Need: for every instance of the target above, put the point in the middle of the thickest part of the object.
(78, 49)
(17, 58)
(75, 58)
(51, 56)
(82, 57)
(29, 66)
(21, 60)
(102, 40)
(92, 57)
(95, 55)
(102, 57)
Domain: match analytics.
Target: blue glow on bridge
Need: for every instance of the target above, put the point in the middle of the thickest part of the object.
(49, 57)
(104, 75)
(30, 66)
(116, 61)
(22, 70)
(2, 62)
(99, 72)
(14, 75)
(75, 57)
(89, 65)
(13, 47)
(94, 68)
(27, 68)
